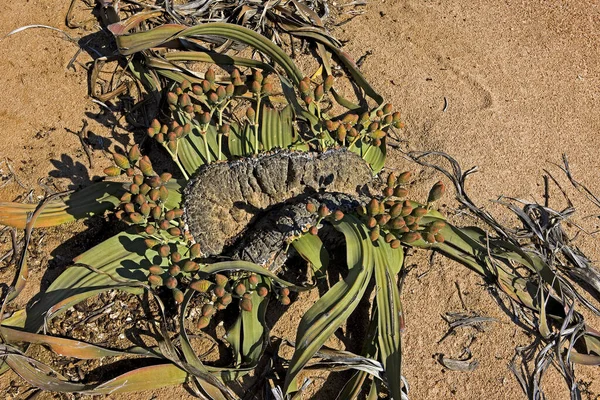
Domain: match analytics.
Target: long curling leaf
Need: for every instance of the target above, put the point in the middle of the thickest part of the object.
(331, 310)
(388, 319)
(135, 42)
(92, 200)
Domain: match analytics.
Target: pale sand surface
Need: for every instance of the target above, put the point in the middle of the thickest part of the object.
(521, 81)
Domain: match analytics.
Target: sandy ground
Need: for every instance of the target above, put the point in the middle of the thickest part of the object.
(520, 82)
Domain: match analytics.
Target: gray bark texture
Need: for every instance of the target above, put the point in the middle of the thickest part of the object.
(222, 199)
(265, 241)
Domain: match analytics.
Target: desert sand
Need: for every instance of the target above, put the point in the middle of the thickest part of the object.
(508, 86)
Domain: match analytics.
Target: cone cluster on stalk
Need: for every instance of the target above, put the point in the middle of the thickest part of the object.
(368, 127)
(199, 107)
(392, 217)
(221, 290)
(144, 205)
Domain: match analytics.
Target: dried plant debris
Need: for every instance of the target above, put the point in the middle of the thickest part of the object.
(464, 363)
(457, 320)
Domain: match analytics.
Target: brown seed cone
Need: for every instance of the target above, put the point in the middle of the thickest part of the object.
(383, 219)
(136, 218)
(164, 224)
(190, 266)
(394, 244)
(284, 291)
(175, 257)
(226, 299)
(438, 224)
(338, 215)
(170, 215)
(121, 161)
(404, 177)
(139, 199)
(311, 207)
(221, 280)
(324, 211)
(195, 250)
(262, 290)
(410, 220)
(285, 300)
(172, 145)
(144, 188)
(429, 237)
(138, 179)
(304, 86)
(419, 212)
(219, 291)
(156, 212)
(112, 171)
(246, 305)
(151, 243)
(373, 207)
(210, 75)
(171, 282)
(387, 108)
(374, 235)
(134, 189)
(436, 192)
(202, 286)
(253, 280)
(164, 250)
(255, 87)
(397, 223)
(411, 237)
(389, 237)
(391, 179)
(406, 210)
(414, 227)
(129, 208)
(328, 83)
(156, 270)
(208, 310)
(319, 92)
(396, 210)
(388, 191)
(371, 222)
(150, 230)
(250, 113)
(439, 238)
(155, 280)
(163, 193)
(240, 289)
(313, 230)
(203, 322)
(178, 296)
(174, 270)
(146, 166)
(399, 191)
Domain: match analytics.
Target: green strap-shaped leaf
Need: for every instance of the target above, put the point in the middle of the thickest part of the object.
(248, 335)
(311, 248)
(388, 316)
(191, 150)
(373, 155)
(331, 310)
(123, 257)
(276, 129)
(241, 141)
